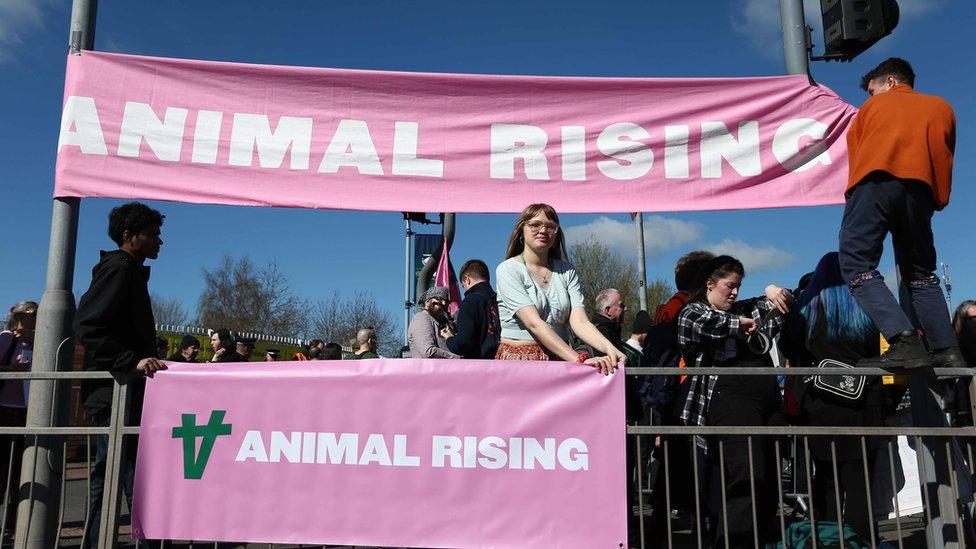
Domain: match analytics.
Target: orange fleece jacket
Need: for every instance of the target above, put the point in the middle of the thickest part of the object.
(907, 134)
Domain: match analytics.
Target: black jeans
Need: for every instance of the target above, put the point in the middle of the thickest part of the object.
(876, 206)
(853, 497)
(127, 475)
(745, 401)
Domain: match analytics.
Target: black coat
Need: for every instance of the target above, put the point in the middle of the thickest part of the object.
(115, 324)
(611, 330)
(478, 325)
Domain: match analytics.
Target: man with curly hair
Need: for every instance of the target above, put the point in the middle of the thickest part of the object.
(115, 325)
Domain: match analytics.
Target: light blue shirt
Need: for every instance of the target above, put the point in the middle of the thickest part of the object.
(517, 290)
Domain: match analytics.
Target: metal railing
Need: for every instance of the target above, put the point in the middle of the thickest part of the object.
(945, 472)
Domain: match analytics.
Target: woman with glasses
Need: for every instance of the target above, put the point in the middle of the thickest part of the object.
(539, 297)
(424, 334)
(16, 353)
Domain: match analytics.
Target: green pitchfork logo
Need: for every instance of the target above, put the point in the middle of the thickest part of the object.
(193, 463)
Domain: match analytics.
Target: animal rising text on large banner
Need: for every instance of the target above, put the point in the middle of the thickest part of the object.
(415, 453)
(259, 135)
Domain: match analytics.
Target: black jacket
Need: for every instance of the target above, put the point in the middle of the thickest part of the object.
(479, 328)
(115, 324)
(611, 330)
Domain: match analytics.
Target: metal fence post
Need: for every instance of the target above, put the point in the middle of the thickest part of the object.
(37, 514)
(112, 490)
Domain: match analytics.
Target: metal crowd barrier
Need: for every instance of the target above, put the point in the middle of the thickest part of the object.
(943, 470)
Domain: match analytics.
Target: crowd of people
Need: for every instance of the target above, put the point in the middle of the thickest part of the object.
(900, 148)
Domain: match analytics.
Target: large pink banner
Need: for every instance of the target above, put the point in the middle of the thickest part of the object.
(258, 135)
(405, 453)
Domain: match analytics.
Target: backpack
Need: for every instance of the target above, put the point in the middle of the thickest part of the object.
(799, 535)
(660, 351)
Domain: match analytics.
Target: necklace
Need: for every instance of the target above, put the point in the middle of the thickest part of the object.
(543, 276)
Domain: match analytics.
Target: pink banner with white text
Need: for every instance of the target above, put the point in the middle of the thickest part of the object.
(259, 135)
(404, 453)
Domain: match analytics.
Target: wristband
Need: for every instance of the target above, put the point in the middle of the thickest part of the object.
(582, 357)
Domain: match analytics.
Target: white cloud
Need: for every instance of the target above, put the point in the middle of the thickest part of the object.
(660, 233)
(911, 8)
(759, 22)
(19, 18)
(753, 258)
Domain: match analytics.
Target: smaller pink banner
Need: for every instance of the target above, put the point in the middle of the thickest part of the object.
(405, 453)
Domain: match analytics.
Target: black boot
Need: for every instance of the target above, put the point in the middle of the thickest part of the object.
(950, 357)
(905, 351)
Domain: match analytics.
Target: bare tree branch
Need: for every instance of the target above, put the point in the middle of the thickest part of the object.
(338, 319)
(168, 311)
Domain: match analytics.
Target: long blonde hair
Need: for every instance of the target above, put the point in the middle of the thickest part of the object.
(516, 244)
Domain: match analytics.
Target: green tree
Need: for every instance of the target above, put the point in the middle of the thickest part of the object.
(600, 267)
(241, 297)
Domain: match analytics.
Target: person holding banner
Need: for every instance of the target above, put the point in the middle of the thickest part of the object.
(540, 300)
(714, 329)
(115, 325)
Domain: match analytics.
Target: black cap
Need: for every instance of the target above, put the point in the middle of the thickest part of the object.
(189, 341)
(642, 323)
(245, 340)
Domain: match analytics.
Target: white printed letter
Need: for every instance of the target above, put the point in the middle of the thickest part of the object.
(742, 154)
(290, 447)
(252, 448)
(492, 450)
(375, 450)
(786, 144)
(675, 152)
(573, 455)
(400, 457)
(206, 137)
(251, 129)
(405, 161)
(445, 446)
(574, 153)
(165, 138)
(351, 146)
(633, 158)
(511, 141)
(80, 113)
(342, 451)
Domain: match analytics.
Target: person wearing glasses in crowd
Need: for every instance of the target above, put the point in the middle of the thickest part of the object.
(426, 332)
(540, 300)
(16, 354)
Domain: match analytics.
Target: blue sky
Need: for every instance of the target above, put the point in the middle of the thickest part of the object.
(322, 251)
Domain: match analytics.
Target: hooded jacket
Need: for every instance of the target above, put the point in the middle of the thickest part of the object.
(115, 324)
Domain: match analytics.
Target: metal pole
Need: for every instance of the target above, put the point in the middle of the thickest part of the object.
(407, 275)
(641, 268)
(37, 514)
(794, 36)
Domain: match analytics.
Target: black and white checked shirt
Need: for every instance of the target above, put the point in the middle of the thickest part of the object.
(709, 337)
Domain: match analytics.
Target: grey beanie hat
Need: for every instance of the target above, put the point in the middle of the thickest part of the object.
(432, 292)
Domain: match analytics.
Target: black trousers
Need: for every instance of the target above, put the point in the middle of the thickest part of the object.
(879, 205)
(744, 401)
(854, 494)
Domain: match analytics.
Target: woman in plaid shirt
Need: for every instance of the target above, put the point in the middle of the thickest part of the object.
(712, 332)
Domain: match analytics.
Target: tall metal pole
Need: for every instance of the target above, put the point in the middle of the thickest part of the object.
(794, 36)
(37, 513)
(641, 268)
(407, 275)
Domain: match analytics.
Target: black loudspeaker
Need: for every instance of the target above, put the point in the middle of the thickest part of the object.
(852, 26)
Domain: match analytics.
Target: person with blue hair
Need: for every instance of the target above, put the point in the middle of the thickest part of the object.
(827, 327)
